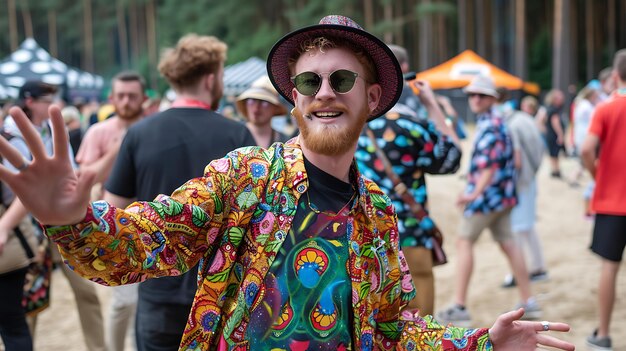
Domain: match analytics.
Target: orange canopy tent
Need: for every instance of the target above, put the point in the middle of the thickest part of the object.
(459, 71)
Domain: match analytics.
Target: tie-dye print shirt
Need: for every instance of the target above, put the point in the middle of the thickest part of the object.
(414, 147)
(493, 148)
(233, 222)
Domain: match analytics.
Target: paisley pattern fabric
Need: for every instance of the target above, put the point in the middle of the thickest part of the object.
(493, 148)
(233, 222)
(414, 147)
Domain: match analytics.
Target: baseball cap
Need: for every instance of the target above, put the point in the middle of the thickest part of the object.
(35, 89)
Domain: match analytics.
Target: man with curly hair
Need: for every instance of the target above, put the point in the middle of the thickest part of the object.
(186, 137)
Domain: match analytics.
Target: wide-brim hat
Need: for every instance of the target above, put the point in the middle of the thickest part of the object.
(482, 84)
(261, 89)
(389, 74)
(262, 94)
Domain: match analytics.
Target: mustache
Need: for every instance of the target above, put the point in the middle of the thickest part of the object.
(317, 105)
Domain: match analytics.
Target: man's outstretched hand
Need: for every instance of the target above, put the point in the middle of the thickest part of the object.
(47, 185)
(510, 333)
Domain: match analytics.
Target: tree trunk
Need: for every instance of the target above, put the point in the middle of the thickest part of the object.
(141, 29)
(52, 33)
(368, 13)
(399, 32)
(561, 46)
(122, 32)
(589, 42)
(88, 37)
(612, 29)
(520, 39)
(27, 19)
(481, 35)
(572, 53)
(12, 24)
(500, 35)
(462, 18)
(388, 15)
(622, 19)
(441, 38)
(134, 34)
(425, 39)
(152, 45)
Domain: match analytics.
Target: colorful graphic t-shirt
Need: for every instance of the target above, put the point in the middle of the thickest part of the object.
(492, 149)
(307, 301)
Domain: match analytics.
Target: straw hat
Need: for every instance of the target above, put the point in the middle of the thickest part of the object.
(260, 89)
(388, 72)
(482, 84)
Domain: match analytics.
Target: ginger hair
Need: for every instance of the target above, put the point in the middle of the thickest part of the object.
(193, 57)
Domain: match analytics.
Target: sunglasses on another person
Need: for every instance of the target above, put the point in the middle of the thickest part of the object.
(481, 96)
(309, 83)
(251, 102)
(46, 99)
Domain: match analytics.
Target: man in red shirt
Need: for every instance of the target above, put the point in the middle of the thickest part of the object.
(603, 156)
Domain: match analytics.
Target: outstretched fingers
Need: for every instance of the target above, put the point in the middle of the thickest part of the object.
(12, 155)
(31, 136)
(511, 316)
(59, 134)
(551, 341)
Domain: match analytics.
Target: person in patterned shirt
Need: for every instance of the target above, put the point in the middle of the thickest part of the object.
(487, 202)
(416, 139)
(296, 249)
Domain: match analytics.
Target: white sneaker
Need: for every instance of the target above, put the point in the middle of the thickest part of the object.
(532, 310)
(455, 314)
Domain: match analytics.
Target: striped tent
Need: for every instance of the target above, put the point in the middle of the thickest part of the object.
(239, 76)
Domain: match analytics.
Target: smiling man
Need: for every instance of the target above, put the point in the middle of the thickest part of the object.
(297, 250)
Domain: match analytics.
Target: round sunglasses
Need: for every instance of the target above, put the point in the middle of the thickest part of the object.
(309, 83)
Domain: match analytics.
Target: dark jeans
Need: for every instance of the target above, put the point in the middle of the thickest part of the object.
(160, 326)
(13, 328)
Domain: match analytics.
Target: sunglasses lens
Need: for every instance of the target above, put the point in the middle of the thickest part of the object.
(307, 83)
(342, 80)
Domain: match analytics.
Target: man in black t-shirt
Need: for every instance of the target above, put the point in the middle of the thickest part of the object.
(185, 138)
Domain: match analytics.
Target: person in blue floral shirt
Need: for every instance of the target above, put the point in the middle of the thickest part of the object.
(416, 139)
(487, 202)
(296, 249)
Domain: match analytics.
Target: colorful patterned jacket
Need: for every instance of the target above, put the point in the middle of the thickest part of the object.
(232, 222)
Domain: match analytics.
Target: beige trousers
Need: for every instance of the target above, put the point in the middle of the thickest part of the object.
(420, 261)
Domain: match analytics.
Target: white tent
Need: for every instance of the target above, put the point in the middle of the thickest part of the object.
(4, 93)
(32, 62)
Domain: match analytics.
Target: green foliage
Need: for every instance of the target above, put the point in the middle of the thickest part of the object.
(540, 59)
(446, 8)
(249, 28)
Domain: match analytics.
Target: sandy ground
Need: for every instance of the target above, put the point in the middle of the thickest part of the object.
(569, 295)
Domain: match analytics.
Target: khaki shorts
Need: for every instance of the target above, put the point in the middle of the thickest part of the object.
(499, 223)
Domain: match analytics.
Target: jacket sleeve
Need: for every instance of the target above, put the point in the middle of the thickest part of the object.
(425, 333)
(166, 237)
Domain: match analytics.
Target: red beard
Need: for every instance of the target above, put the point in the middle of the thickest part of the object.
(330, 140)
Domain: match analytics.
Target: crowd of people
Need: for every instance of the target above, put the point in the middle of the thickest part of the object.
(318, 238)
